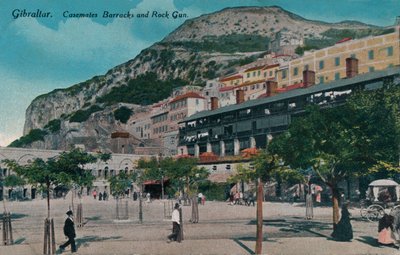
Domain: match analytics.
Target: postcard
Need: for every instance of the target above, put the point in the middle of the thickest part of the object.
(199, 127)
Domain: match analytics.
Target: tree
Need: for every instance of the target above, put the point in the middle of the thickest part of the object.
(264, 165)
(120, 183)
(348, 140)
(65, 169)
(182, 172)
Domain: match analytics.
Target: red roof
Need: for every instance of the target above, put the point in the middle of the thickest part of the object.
(235, 77)
(249, 83)
(270, 66)
(262, 95)
(344, 40)
(254, 68)
(291, 87)
(187, 95)
(227, 88)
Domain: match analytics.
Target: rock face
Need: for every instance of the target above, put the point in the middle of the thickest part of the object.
(200, 49)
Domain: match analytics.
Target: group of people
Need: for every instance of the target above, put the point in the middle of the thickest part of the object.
(240, 198)
(102, 196)
(388, 228)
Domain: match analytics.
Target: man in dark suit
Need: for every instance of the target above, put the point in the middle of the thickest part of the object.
(69, 232)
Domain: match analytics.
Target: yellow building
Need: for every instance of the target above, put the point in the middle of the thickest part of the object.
(232, 80)
(373, 53)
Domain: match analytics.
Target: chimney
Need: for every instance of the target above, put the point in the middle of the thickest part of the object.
(351, 67)
(214, 103)
(271, 88)
(308, 78)
(239, 96)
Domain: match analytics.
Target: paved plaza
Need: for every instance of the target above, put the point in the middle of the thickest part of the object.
(222, 229)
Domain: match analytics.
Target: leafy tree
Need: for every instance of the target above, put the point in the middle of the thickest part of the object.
(182, 172)
(348, 140)
(120, 183)
(264, 165)
(65, 169)
(13, 181)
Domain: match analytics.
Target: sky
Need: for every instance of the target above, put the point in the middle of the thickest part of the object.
(38, 55)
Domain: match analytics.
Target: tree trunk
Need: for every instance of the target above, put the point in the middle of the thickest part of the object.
(335, 206)
(48, 199)
(259, 234)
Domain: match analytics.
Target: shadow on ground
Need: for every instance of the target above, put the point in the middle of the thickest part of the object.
(15, 216)
(300, 227)
(370, 241)
(84, 241)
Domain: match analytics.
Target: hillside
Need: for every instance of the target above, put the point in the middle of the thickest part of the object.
(202, 48)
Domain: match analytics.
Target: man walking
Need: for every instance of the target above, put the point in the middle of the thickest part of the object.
(176, 227)
(69, 232)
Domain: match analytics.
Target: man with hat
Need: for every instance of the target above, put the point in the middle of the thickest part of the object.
(69, 232)
(176, 227)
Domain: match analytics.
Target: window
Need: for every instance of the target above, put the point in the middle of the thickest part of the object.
(284, 74)
(248, 75)
(321, 79)
(306, 67)
(265, 74)
(295, 71)
(270, 73)
(259, 73)
(337, 61)
(254, 73)
(371, 69)
(321, 64)
(337, 76)
(390, 51)
(371, 54)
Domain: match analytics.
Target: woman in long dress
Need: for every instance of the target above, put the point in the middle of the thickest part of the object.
(385, 229)
(343, 231)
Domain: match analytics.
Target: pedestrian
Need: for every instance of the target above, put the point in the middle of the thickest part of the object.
(94, 193)
(148, 197)
(100, 196)
(236, 198)
(343, 231)
(250, 198)
(199, 197)
(69, 232)
(176, 225)
(203, 200)
(105, 195)
(385, 229)
(135, 196)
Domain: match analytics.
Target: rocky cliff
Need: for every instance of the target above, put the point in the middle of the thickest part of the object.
(201, 48)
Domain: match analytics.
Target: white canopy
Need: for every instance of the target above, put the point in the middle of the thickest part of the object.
(383, 183)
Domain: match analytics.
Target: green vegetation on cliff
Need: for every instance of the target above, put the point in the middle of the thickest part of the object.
(54, 125)
(83, 115)
(123, 114)
(225, 43)
(34, 135)
(144, 90)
